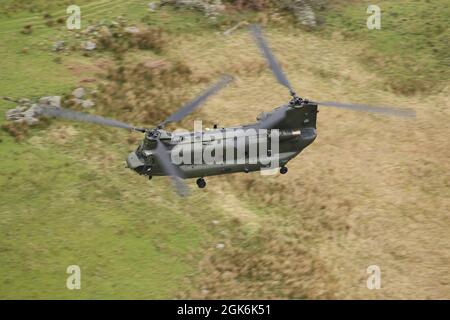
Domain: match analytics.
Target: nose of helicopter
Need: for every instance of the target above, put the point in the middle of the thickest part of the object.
(133, 161)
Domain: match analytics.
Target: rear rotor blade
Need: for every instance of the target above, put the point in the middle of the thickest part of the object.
(165, 161)
(267, 52)
(197, 102)
(366, 108)
(85, 117)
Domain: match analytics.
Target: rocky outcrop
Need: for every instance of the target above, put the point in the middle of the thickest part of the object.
(302, 10)
(28, 111)
(211, 8)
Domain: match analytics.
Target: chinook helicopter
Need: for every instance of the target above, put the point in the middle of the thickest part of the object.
(294, 121)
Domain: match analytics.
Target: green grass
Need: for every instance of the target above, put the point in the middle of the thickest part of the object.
(28, 64)
(411, 50)
(132, 239)
(56, 211)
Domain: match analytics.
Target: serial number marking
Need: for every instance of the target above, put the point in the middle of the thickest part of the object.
(234, 309)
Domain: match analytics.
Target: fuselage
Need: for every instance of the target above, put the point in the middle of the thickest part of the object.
(247, 148)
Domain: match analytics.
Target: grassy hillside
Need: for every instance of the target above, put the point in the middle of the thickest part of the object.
(411, 49)
(371, 190)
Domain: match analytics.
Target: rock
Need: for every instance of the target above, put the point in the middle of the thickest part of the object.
(53, 101)
(205, 291)
(152, 6)
(132, 30)
(211, 8)
(24, 101)
(90, 45)
(22, 114)
(58, 46)
(13, 114)
(31, 121)
(34, 111)
(79, 93)
(220, 246)
(90, 29)
(28, 113)
(227, 275)
(77, 101)
(302, 10)
(87, 104)
(44, 101)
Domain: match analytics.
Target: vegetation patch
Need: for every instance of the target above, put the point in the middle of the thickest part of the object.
(411, 50)
(148, 90)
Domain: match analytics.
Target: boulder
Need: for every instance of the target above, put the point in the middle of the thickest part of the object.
(13, 114)
(132, 30)
(52, 101)
(28, 113)
(28, 116)
(34, 111)
(211, 8)
(79, 93)
(302, 10)
(58, 46)
(31, 121)
(24, 101)
(152, 6)
(55, 101)
(90, 45)
(87, 104)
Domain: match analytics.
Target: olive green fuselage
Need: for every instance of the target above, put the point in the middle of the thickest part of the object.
(296, 129)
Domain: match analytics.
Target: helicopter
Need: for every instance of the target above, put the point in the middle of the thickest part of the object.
(294, 122)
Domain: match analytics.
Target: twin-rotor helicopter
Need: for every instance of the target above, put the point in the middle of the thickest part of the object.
(296, 122)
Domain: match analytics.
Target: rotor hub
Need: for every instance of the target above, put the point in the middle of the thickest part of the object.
(153, 134)
(296, 100)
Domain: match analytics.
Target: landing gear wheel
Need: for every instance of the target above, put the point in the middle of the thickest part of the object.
(201, 183)
(283, 170)
(150, 177)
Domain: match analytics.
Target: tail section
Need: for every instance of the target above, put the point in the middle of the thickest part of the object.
(291, 117)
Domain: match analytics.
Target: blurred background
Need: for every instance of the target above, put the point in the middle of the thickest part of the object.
(372, 189)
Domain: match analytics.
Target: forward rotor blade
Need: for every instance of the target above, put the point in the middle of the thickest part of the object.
(85, 117)
(267, 53)
(366, 108)
(197, 102)
(165, 161)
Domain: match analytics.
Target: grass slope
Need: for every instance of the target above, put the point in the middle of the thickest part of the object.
(58, 207)
(411, 49)
(372, 190)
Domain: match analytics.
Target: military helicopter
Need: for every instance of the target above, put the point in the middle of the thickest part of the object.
(295, 122)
